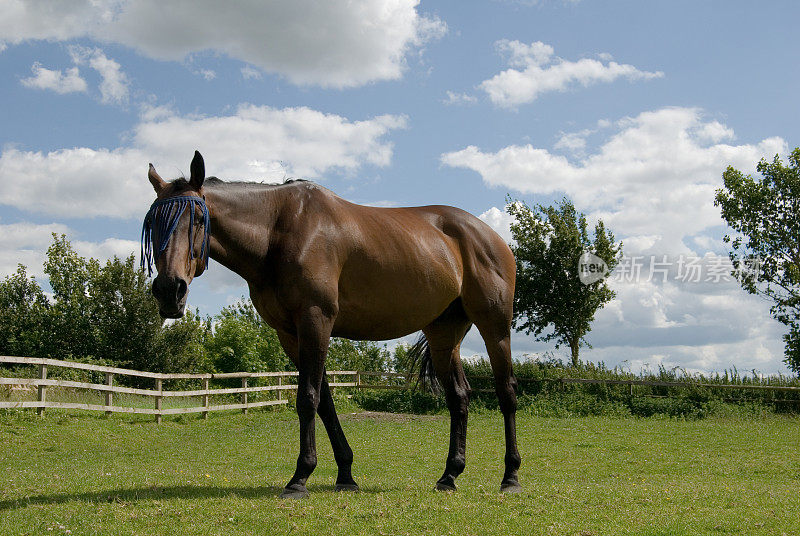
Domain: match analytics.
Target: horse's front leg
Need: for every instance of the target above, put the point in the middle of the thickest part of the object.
(327, 413)
(314, 331)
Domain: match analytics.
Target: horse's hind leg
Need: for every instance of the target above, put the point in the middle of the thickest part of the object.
(491, 312)
(505, 386)
(444, 340)
(497, 339)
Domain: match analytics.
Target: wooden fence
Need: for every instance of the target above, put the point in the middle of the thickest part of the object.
(791, 393)
(280, 382)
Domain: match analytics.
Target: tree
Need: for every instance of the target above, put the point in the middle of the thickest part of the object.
(242, 342)
(549, 244)
(24, 319)
(344, 354)
(97, 311)
(180, 346)
(122, 314)
(765, 251)
(73, 335)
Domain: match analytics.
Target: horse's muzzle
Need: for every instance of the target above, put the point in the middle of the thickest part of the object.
(170, 292)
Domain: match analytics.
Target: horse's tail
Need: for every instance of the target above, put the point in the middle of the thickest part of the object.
(420, 364)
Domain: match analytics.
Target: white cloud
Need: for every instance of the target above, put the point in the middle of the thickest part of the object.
(26, 243)
(500, 221)
(655, 177)
(154, 112)
(15, 236)
(253, 142)
(114, 86)
(79, 182)
(208, 74)
(536, 70)
(52, 20)
(251, 73)
(459, 99)
(55, 80)
(573, 142)
(107, 249)
(707, 327)
(337, 43)
(714, 132)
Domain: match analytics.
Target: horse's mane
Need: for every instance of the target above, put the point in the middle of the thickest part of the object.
(219, 183)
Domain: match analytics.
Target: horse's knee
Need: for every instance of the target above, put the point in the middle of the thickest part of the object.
(508, 403)
(457, 396)
(506, 395)
(307, 402)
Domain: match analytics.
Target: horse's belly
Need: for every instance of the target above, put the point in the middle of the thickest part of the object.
(392, 308)
(389, 322)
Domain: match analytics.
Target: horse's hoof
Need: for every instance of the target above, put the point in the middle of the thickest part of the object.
(444, 486)
(299, 492)
(511, 488)
(346, 487)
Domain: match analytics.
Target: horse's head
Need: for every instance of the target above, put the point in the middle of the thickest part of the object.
(175, 237)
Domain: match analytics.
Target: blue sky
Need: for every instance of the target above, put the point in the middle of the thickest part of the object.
(632, 109)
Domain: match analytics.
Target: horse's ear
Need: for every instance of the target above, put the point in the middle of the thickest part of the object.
(156, 180)
(198, 169)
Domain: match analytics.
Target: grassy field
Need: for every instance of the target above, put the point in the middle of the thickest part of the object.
(78, 473)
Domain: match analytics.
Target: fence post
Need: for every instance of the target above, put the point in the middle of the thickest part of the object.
(42, 390)
(205, 398)
(158, 400)
(244, 396)
(109, 394)
(280, 384)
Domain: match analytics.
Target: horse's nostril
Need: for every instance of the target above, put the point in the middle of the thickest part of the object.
(156, 289)
(180, 291)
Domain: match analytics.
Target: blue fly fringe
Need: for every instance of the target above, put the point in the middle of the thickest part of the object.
(162, 220)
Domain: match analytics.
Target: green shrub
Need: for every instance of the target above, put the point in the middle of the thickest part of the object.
(670, 407)
(571, 404)
(400, 401)
(743, 410)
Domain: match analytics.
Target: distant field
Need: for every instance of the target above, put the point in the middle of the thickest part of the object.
(85, 474)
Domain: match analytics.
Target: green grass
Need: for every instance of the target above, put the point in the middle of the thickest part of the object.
(79, 473)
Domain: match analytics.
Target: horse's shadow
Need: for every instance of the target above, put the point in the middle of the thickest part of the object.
(149, 493)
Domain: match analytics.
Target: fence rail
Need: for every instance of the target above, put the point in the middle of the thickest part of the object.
(281, 383)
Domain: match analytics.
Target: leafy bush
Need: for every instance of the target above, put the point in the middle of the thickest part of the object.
(400, 401)
(671, 407)
(344, 354)
(238, 340)
(573, 404)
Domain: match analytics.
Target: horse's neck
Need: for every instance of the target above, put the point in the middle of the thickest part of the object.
(241, 227)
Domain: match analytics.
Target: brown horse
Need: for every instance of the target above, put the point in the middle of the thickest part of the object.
(319, 266)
